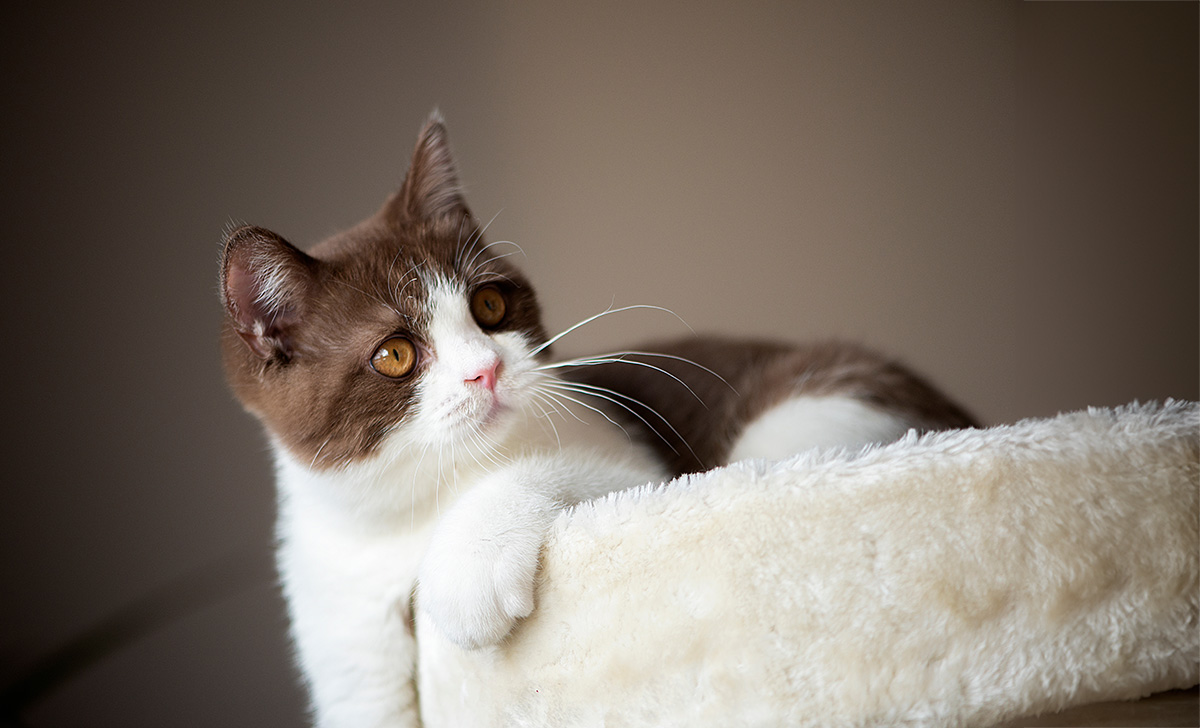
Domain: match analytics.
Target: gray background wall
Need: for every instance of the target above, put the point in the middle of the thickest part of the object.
(1004, 194)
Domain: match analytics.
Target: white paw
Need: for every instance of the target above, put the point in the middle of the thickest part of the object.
(474, 585)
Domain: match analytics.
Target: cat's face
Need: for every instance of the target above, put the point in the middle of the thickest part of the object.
(406, 331)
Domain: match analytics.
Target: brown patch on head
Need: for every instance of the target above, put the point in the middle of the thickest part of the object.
(300, 329)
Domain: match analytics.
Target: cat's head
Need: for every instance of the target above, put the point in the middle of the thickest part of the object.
(407, 330)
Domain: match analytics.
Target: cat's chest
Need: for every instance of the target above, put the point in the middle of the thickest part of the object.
(340, 579)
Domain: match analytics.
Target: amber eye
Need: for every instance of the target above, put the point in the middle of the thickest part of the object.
(487, 306)
(395, 357)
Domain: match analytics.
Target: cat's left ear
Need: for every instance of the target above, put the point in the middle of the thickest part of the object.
(265, 282)
(431, 189)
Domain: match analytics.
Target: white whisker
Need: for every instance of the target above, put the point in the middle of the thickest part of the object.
(630, 411)
(603, 392)
(477, 270)
(615, 356)
(546, 419)
(319, 449)
(540, 390)
(392, 266)
(498, 257)
(410, 277)
(473, 439)
(603, 414)
(462, 245)
(489, 449)
(477, 274)
(488, 276)
(606, 312)
(476, 237)
(618, 360)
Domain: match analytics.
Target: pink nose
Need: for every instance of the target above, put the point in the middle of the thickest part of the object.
(486, 376)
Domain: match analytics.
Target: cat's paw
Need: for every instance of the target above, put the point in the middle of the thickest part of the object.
(477, 580)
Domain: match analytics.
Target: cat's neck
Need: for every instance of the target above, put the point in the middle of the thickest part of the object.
(386, 492)
(403, 487)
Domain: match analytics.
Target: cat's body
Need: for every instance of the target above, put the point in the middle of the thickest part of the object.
(702, 402)
(422, 440)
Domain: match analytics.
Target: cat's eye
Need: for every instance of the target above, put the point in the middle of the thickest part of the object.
(488, 306)
(395, 357)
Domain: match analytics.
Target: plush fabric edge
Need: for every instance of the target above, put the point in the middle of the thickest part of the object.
(959, 578)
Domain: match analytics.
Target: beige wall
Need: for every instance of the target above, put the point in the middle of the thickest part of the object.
(1005, 194)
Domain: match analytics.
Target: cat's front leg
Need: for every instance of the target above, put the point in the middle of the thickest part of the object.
(477, 577)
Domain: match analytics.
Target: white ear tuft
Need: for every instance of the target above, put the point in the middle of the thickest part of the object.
(264, 283)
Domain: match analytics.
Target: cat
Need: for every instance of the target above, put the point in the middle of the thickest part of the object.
(424, 440)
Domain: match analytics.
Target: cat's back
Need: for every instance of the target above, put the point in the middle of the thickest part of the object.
(694, 399)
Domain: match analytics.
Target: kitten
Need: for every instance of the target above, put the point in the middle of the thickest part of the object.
(420, 430)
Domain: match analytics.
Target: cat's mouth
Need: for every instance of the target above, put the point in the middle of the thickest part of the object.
(487, 411)
(482, 411)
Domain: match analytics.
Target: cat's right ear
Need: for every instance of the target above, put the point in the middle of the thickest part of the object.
(264, 283)
(431, 189)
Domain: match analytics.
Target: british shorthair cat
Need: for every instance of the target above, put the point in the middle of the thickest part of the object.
(424, 440)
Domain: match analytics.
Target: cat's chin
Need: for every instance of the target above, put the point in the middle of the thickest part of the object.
(490, 420)
(498, 419)
(496, 413)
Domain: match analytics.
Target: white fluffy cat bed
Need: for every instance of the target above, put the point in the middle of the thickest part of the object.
(956, 579)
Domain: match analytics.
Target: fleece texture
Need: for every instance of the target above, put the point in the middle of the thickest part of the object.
(957, 579)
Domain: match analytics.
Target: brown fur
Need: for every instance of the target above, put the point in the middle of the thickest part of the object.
(757, 375)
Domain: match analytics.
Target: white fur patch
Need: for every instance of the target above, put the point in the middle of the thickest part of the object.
(448, 409)
(803, 423)
(461, 347)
